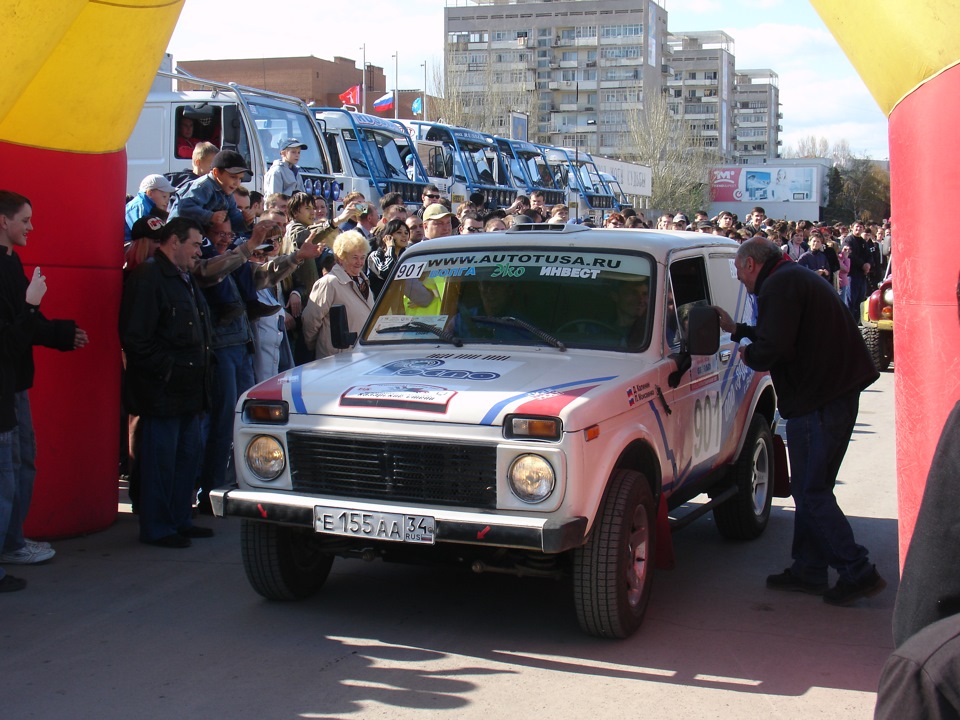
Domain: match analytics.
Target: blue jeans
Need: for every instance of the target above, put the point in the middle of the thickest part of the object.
(822, 536)
(169, 457)
(23, 459)
(234, 376)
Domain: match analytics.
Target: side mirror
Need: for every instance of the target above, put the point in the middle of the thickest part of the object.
(340, 336)
(703, 331)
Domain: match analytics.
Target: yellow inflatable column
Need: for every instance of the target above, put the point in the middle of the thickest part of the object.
(76, 73)
(907, 54)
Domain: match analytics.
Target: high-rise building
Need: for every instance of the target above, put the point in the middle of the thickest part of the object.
(700, 87)
(758, 117)
(577, 68)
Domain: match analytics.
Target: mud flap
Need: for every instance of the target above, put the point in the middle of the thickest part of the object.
(664, 559)
(781, 470)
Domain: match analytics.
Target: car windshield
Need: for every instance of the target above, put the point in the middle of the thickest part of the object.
(513, 296)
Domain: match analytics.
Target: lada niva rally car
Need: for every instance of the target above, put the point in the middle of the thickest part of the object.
(533, 402)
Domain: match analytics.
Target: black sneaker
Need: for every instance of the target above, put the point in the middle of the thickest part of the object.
(846, 593)
(9, 583)
(790, 582)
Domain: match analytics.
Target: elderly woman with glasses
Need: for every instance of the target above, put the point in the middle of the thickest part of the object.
(344, 285)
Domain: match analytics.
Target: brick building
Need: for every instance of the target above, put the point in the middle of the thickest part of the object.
(313, 79)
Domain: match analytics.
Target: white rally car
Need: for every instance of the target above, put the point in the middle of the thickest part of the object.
(534, 402)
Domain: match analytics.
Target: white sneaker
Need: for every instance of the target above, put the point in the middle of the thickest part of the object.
(28, 555)
(34, 544)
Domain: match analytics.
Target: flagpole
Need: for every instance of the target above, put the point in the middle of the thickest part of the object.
(396, 85)
(423, 101)
(363, 79)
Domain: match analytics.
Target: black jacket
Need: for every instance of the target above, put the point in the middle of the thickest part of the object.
(21, 327)
(806, 338)
(165, 333)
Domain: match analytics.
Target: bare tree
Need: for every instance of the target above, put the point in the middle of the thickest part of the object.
(678, 159)
(810, 146)
(866, 189)
(482, 98)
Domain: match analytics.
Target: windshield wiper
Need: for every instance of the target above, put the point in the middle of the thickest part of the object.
(523, 325)
(418, 326)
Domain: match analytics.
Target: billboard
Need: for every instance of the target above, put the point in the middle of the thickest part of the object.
(756, 183)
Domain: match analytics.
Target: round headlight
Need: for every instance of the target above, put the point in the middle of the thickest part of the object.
(265, 457)
(531, 478)
(888, 296)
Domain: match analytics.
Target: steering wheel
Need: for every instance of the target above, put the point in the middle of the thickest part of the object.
(571, 324)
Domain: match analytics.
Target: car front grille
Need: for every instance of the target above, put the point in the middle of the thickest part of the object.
(365, 467)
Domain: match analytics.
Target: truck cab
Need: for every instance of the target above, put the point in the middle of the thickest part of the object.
(529, 170)
(535, 402)
(587, 193)
(253, 122)
(472, 163)
(371, 155)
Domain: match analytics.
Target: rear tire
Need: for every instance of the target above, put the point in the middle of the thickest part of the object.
(613, 572)
(745, 515)
(283, 563)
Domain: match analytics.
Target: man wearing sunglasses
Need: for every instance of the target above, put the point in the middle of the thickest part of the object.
(430, 195)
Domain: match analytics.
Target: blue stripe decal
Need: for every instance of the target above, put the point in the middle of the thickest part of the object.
(663, 436)
(296, 389)
(495, 410)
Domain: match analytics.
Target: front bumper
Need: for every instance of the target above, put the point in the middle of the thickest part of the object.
(547, 535)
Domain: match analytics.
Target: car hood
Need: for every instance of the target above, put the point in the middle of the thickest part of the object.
(476, 388)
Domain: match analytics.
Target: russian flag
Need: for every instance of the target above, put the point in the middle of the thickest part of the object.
(384, 103)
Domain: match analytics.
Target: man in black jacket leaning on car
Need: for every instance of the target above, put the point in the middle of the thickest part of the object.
(819, 365)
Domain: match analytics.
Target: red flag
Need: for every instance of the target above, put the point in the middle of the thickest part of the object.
(351, 96)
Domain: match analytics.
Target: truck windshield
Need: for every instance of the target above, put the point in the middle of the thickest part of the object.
(382, 152)
(598, 300)
(275, 125)
(482, 163)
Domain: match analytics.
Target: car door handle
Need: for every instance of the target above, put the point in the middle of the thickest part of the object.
(725, 356)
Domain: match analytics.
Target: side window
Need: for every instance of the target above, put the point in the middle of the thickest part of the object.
(688, 288)
(194, 124)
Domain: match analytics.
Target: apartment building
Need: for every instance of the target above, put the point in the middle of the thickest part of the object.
(701, 87)
(757, 117)
(576, 67)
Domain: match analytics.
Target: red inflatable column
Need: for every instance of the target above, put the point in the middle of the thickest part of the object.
(78, 242)
(925, 181)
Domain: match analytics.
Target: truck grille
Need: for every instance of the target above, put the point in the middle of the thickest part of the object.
(397, 470)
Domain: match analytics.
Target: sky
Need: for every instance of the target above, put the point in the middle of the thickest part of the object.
(820, 92)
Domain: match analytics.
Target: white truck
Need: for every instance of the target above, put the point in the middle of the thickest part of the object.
(565, 391)
(253, 122)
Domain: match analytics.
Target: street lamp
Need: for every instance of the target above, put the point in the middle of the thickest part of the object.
(363, 79)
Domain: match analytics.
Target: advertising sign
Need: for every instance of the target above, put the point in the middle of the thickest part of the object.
(764, 183)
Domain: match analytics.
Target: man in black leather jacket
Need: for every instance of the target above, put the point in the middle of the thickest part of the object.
(819, 365)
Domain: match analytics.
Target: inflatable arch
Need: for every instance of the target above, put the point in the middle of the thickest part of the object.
(76, 75)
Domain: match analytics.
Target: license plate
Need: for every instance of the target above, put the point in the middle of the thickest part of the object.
(395, 527)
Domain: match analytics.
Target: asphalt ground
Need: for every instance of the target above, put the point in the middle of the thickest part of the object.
(115, 629)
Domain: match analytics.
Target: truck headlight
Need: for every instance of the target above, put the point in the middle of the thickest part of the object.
(531, 478)
(265, 457)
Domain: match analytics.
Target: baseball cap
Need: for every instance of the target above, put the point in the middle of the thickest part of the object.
(148, 226)
(293, 143)
(679, 217)
(435, 212)
(156, 182)
(230, 161)
(703, 225)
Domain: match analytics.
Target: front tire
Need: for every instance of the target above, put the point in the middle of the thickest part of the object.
(876, 347)
(613, 572)
(283, 563)
(745, 515)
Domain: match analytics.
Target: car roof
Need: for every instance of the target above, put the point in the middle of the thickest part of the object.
(657, 242)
